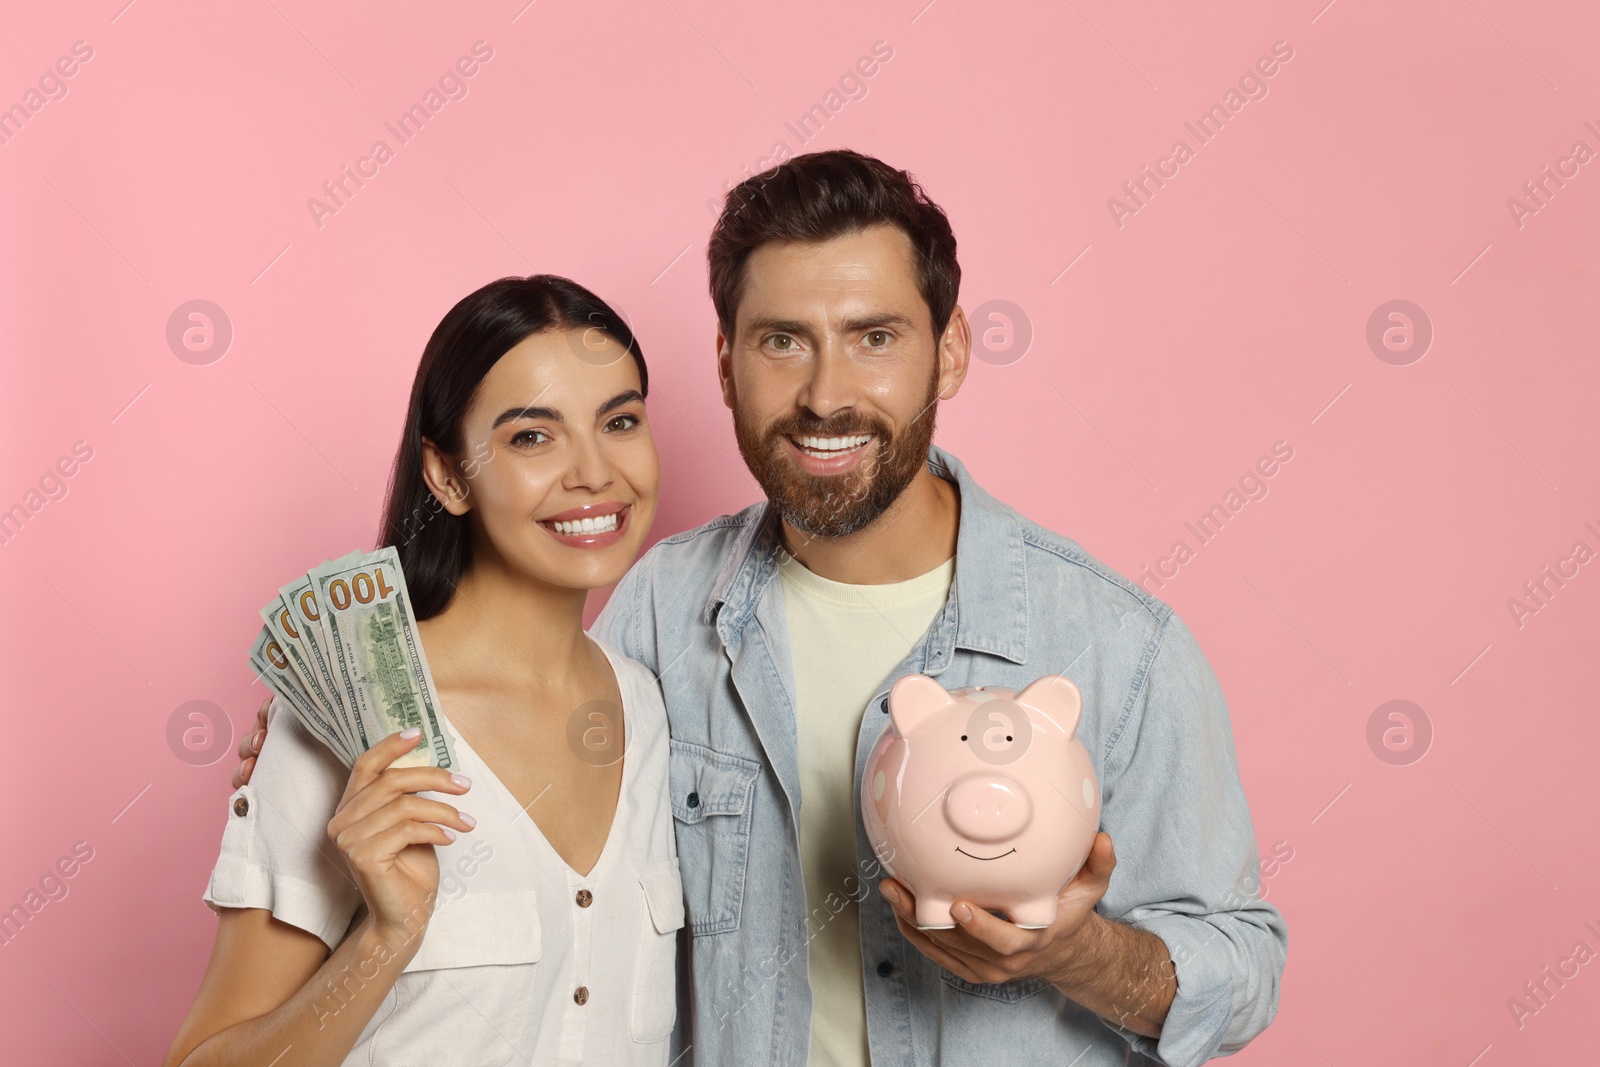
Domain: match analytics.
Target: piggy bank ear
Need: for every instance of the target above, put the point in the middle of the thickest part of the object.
(1056, 698)
(913, 700)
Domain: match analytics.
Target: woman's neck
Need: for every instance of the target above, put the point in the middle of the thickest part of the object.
(505, 625)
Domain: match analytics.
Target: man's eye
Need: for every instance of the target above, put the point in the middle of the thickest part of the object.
(525, 439)
(781, 342)
(878, 338)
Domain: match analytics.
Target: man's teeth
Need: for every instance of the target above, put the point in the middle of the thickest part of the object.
(603, 524)
(826, 446)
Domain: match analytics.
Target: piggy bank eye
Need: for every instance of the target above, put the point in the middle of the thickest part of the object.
(963, 737)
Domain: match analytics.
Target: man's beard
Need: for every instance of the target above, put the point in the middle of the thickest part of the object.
(837, 505)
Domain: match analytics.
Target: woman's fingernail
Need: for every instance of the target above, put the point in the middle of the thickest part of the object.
(412, 734)
(961, 912)
(890, 894)
(461, 781)
(451, 834)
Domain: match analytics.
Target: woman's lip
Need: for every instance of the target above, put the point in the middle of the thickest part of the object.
(586, 511)
(591, 540)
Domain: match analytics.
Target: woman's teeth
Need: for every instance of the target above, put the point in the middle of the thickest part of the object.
(826, 447)
(602, 524)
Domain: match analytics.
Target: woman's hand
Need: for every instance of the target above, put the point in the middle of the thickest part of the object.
(386, 834)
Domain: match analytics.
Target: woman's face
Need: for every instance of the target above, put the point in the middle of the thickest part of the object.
(558, 470)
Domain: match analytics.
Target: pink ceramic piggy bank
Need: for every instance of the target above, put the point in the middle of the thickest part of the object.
(982, 794)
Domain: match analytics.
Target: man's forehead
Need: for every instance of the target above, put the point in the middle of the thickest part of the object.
(875, 265)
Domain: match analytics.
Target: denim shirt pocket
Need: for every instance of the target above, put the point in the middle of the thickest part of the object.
(1005, 992)
(713, 797)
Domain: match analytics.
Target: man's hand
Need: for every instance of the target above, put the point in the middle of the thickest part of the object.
(984, 948)
(1121, 973)
(250, 746)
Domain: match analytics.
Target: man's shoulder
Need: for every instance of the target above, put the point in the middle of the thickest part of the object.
(1061, 563)
(701, 551)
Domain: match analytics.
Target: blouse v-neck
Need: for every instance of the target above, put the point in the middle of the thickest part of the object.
(505, 793)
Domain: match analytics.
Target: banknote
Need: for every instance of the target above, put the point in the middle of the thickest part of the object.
(341, 646)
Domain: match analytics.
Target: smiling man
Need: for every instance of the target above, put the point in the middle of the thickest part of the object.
(777, 632)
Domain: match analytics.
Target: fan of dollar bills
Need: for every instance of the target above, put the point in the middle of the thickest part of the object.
(340, 647)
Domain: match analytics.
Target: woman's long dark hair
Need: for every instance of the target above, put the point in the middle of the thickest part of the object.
(435, 546)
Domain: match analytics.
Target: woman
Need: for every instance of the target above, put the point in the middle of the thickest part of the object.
(363, 916)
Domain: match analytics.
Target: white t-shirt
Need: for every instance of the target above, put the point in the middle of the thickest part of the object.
(516, 933)
(844, 640)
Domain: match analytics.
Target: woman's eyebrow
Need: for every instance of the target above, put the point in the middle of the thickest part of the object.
(512, 414)
(552, 415)
(626, 397)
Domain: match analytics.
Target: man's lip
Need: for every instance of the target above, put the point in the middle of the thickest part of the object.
(795, 437)
(587, 511)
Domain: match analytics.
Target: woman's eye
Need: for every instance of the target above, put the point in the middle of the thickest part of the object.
(628, 422)
(525, 439)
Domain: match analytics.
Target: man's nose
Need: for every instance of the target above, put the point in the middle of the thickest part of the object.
(831, 386)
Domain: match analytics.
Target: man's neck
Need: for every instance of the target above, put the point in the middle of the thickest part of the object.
(915, 535)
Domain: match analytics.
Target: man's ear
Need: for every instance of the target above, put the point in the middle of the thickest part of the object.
(447, 484)
(725, 369)
(955, 353)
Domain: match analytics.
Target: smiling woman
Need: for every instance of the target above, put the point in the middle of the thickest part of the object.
(528, 449)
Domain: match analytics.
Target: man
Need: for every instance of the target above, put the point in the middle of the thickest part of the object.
(777, 632)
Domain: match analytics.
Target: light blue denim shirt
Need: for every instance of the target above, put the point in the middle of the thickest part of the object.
(704, 610)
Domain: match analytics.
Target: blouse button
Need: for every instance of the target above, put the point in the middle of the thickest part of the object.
(581, 994)
(585, 898)
(241, 806)
(694, 800)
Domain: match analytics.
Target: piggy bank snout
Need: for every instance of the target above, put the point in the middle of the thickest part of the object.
(988, 807)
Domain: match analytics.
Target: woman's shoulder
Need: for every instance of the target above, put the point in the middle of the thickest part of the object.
(640, 687)
(294, 767)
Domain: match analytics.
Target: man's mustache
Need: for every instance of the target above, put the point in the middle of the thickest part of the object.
(823, 429)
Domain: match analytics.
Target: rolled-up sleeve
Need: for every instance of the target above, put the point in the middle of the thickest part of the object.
(1187, 866)
(275, 852)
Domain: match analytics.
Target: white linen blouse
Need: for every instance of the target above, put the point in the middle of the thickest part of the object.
(524, 960)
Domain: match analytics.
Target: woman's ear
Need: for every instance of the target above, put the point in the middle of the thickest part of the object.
(446, 483)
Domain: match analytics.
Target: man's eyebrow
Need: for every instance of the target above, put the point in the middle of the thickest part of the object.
(877, 320)
(860, 322)
(552, 415)
(777, 326)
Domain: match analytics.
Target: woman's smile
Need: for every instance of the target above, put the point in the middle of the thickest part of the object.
(590, 525)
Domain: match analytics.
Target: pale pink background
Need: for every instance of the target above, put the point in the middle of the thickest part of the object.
(1227, 314)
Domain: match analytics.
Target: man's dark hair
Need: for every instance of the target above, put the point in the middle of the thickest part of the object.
(822, 195)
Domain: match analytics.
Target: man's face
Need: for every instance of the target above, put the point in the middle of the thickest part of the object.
(833, 374)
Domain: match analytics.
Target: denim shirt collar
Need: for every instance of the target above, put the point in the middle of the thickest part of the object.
(988, 606)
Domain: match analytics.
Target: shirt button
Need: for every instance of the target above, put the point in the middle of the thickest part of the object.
(581, 994)
(241, 806)
(585, 898)
(694, 800)
(885, 969)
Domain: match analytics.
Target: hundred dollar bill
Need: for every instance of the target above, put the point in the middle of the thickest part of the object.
(373, 644)
(305, 616)
(279, 620)
(271, 663)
